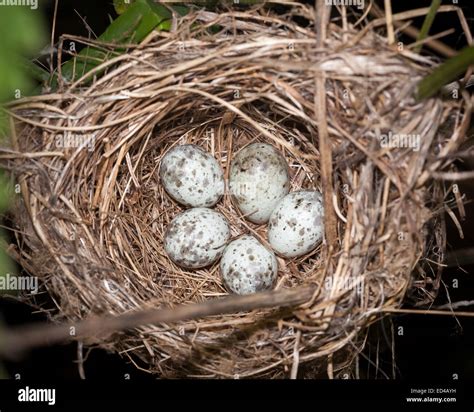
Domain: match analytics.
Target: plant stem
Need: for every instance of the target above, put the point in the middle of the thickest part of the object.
(447, 72)
(425, 29)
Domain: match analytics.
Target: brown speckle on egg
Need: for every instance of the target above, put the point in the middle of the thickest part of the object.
(256, 269)
(302, 212)
(196, 238)
(192, 176)
(258, 180)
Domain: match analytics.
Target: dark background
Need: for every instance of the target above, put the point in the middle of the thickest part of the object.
(432, 347)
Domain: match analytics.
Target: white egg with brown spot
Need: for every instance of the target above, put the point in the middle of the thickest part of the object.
(196, 238)
(258, 180)
(248, 267)
(296, 225)
(191, 176)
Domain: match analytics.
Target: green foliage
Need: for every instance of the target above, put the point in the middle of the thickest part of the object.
(21, 34)
(122, 5)
(447, 72)
(137, 19)
(4, 125)
(6, 191)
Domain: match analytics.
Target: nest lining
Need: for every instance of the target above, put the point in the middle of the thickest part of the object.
(92, 221)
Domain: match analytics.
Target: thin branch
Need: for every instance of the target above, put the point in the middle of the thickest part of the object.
(453, 175)
(29, 336)
(389, 18)
(411, 31)
(455, 305)
(322, 13)
(429, 312)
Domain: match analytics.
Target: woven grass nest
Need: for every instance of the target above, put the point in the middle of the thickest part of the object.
(91, 219)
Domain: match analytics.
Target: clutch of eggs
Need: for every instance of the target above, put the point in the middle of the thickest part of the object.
(259, 185)
(191, 176)
(258, 180)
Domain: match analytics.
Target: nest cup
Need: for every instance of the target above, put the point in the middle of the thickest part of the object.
(92, 215)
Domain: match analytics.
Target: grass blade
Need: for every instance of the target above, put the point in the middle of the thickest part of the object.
(138, 20)
(425, 28)
(447, 72)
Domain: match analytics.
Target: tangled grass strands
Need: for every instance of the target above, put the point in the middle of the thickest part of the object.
(93, 212)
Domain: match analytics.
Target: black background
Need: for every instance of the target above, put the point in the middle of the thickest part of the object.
(432, 347)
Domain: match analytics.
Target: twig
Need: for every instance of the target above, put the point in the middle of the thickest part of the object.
(296, 356)
(428, 312)
(330, 368)
(53, 31)
(455, 305)
(322, 13)
(388, 15)
(80, 360)
(460, 257)
(427, 39)
(453, 175)
(30, 336)
(411, 31)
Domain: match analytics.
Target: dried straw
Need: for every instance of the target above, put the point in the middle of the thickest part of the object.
(90, 223)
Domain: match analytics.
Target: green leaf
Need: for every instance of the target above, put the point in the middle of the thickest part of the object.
(427, 23)
(16, 44)
(21, 30)
(4, 125)
(447, 72)
(135, 23)
(6, 191)
(22, 34)
(35, 72)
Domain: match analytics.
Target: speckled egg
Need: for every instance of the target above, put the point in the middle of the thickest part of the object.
(258, 180)
(248, 267)
(197, 237)
(191, 176)
(296, 224)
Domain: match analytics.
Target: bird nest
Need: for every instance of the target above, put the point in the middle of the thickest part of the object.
(92, 215)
